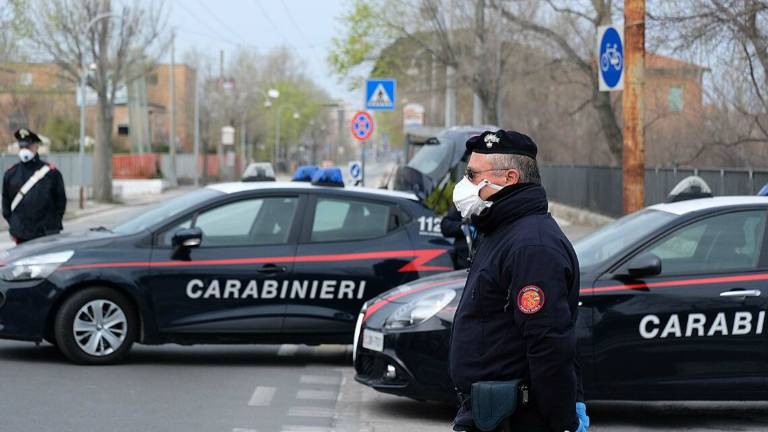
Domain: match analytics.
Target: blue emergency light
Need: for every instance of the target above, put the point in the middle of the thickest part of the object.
(305, 173)
(328, 177)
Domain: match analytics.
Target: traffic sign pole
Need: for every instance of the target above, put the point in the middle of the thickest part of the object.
(363, 144)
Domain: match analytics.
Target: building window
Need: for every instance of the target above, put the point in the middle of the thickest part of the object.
(675, 98)
(123, 129)
(25, 78)
(152, 79)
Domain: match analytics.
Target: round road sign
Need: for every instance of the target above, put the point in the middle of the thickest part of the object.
(362, 126)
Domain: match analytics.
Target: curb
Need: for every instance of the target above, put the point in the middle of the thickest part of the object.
(578, 216)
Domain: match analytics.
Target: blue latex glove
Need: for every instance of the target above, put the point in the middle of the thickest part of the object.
(581, 413)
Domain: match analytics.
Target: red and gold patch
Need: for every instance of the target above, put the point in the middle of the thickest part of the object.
(530, 299)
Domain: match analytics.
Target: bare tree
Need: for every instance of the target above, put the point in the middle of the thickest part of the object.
(733, 35)
(63, 33)
(569, 29)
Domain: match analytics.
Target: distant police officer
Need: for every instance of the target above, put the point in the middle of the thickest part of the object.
(454, 226)
(34, 199)
(517, 314)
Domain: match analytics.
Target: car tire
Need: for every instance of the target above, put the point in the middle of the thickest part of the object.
(96, 326)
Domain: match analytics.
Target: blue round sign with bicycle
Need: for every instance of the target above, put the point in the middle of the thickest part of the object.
(610, 59)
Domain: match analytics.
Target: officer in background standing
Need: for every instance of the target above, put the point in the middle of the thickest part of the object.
(452, 225)
(34, 199)
(517, 314)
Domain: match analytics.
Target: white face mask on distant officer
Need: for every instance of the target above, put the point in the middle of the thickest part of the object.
(466, 197)
(26, 155)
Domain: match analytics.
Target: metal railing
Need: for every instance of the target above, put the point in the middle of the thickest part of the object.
(599, 188)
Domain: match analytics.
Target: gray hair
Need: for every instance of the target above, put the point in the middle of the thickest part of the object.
(526, 166)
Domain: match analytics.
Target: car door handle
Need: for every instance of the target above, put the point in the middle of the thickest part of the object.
(741, 293)
(272, 268)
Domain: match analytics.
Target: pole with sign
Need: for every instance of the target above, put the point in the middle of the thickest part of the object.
(362, 129)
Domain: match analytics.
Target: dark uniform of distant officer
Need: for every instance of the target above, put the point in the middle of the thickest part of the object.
(452, 226)
(517, 315)
(34, 199)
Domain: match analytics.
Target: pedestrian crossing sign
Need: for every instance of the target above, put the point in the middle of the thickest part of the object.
(380, 94)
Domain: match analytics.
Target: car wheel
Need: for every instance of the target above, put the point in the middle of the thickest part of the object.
(95, 326)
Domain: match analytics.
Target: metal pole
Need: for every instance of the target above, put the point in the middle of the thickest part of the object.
(81, 150)
(243, 160)
(450, 71)
(477, 103)
(197, 128)
(277, 137)
(172, 138)
(634, 70)
(363, 145)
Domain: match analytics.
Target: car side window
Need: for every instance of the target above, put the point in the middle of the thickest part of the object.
(344, 220)
(725, 242)
(259, 221)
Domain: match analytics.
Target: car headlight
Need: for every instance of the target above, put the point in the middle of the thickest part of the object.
(34, 267)
(420, 309)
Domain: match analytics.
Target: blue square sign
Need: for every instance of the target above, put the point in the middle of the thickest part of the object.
(380, 94)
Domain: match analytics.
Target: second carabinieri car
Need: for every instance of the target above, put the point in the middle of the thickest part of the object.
(255, 262)
(673, 306)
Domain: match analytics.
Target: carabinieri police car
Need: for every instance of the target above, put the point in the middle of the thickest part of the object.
(673, 307)
(260, 262)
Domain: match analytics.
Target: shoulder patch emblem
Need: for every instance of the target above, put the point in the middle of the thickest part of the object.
(530, 299)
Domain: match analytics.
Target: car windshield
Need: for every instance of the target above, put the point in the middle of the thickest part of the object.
(433, 160)
(166, 210)
(598, 247)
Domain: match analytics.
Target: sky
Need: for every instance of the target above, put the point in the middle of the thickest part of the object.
(305, 26)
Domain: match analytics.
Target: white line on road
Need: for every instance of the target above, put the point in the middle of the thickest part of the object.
(262, 396)
(316, 395)
(305, 429)
(320, 379)
(310, 412)
(244, 430)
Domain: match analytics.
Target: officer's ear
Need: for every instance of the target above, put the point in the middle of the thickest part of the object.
(513, 176)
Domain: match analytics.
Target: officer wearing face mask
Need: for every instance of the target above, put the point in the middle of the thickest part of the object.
(514, 335)
(34, 199)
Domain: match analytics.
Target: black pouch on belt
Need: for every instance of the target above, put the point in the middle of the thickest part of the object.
(494, 401)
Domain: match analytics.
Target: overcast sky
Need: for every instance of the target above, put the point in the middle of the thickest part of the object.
(305, 26)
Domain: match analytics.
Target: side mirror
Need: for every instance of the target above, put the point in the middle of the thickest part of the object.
(643, 265)
(188, 238)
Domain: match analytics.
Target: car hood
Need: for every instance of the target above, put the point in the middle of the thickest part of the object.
(455, 279)
(57, 242)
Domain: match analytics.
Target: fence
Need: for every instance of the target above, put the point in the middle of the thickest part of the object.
(599, 188)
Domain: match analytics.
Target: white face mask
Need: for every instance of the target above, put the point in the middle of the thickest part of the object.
(466, 197)
(26, 155)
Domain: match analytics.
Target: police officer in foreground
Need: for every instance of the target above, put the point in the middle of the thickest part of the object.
(34, 199)
(514, 338)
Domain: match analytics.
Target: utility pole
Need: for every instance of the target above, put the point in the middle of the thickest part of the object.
(477, 103)
(172, 137)
(450, 72)
(632, 99)
(197, 128)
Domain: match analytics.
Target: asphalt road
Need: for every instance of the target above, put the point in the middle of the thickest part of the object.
(284, 388)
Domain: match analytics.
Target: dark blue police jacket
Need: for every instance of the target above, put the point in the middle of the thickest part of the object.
(517, 314)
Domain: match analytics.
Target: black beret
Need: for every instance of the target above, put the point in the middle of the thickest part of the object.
(25, 136)
(501, 141)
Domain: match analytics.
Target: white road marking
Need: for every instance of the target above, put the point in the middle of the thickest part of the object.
(562, 222)
(287, 350)
(300, 411)
(320, 379)
(316, 395)
(244, 430)
(305, 429)
(262, 396)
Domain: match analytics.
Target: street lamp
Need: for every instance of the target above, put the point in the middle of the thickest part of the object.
(83, 78)
(269, 94)
(279, 111)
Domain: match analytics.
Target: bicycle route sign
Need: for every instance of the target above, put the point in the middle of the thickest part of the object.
(610, 58)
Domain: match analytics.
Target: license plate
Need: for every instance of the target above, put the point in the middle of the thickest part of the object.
(373, 340)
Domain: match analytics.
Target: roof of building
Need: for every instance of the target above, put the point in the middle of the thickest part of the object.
(688, 206)
(235, 187)
(657, 61)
